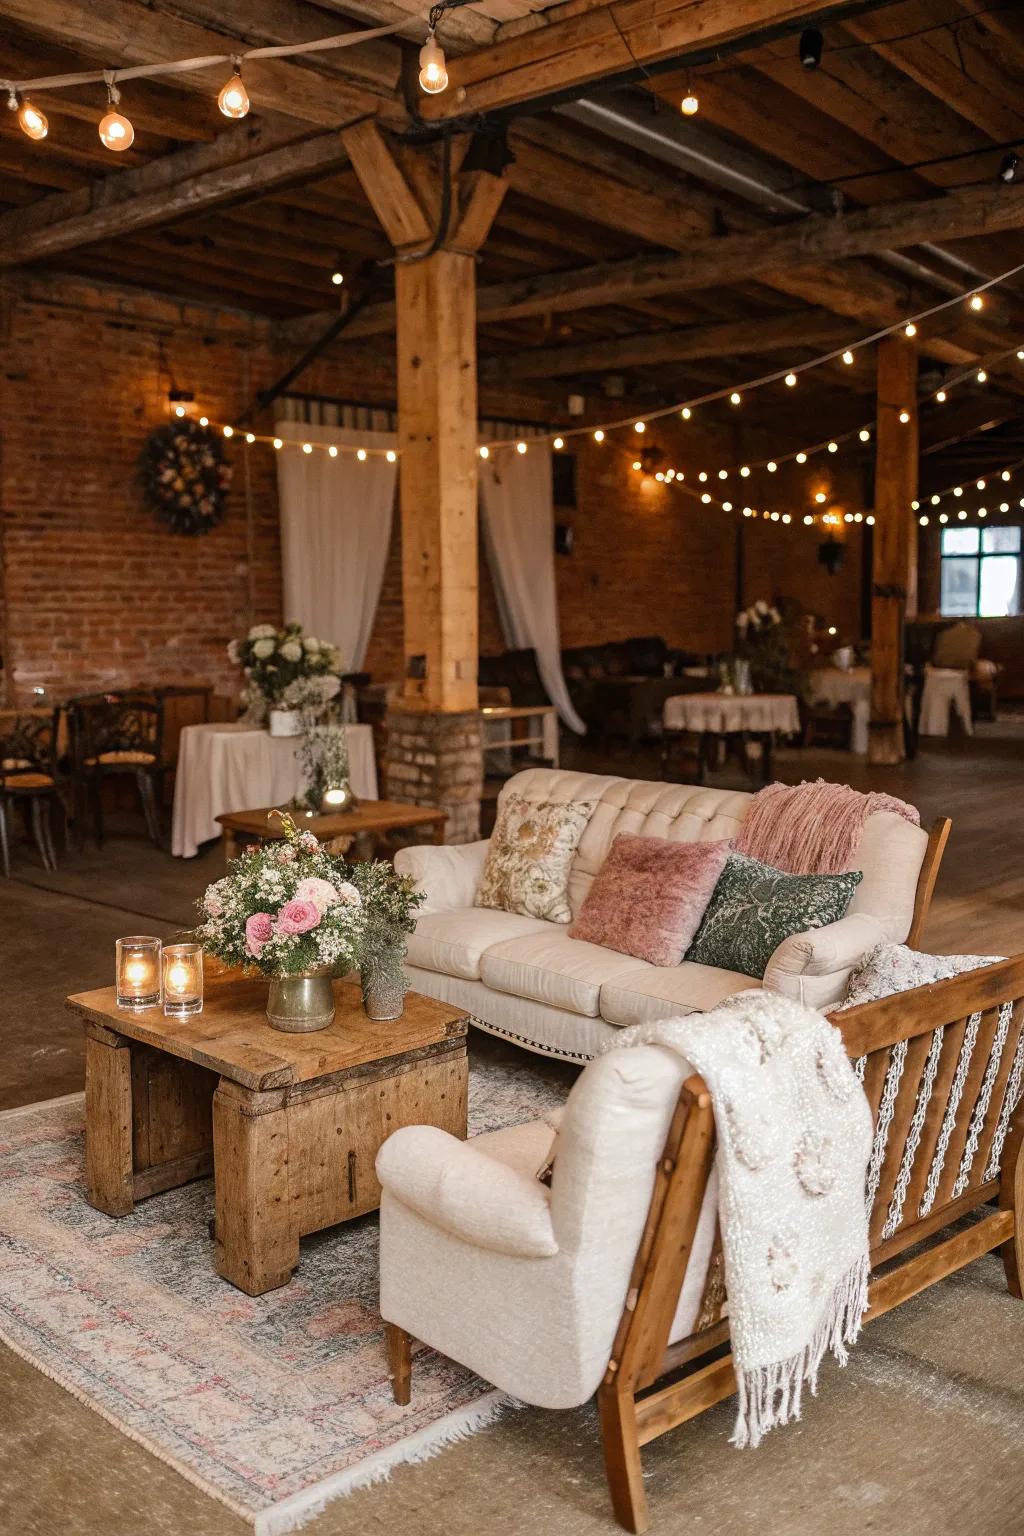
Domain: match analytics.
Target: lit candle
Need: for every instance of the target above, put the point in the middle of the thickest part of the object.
(138, 972)
(183, 979)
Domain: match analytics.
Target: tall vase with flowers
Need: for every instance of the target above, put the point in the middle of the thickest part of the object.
(286, 672)
(288, 910)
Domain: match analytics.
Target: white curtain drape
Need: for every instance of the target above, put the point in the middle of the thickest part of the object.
(519, 537)
(335, 532)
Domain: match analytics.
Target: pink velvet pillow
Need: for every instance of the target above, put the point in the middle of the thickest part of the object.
(649, 896)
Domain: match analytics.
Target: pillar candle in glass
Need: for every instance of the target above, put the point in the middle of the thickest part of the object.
(183, 979)
(138, 972)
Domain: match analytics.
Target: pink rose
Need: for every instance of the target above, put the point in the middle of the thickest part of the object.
(258, 929)
(297, 916)
(320, 892)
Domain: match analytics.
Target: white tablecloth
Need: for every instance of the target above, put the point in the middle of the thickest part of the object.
(232, 767)
(724, 712)
(830, 685)
(945, 686)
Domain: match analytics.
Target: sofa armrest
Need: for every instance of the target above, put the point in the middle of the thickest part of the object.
(476, 1198)
(448, 876)
(814, 966)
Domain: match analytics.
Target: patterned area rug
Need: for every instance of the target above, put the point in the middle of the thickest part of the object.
(275, 1405)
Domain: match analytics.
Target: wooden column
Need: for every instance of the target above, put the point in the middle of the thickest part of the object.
(435, 294)
(894, 568)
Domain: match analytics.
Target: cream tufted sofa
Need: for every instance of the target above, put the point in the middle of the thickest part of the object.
(524, 978)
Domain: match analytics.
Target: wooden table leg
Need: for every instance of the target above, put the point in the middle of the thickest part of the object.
(230, 844)
(437, 828)
(108, 1122)
(256, 1245)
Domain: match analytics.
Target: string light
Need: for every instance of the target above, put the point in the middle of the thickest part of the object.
(233, 98)
(278, 444)
(639, 426)
(848, 358)
(484, 451)
(31, 120)
(976, 301)
(790, 380)
(391, 456)
(558, 443)
(689, 106)
(250, 437)
(521, 447)
(599, 436)
(910, 329)
(115, 130)
(332, 451)
(904, 417)
(941, 396)
(229, 431)
(686, 413)
(337, 278)
(637, 464)
(433, 71)
(735, 397)
(307, 447)
(361, 455)
(864, 435)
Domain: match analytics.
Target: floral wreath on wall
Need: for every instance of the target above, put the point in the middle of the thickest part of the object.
(185, 476)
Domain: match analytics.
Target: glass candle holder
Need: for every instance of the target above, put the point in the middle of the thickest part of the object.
(138, 972)
(183, 979)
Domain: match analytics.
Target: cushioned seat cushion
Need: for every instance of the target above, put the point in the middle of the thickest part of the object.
(551, 968)
(454, 941)
(660, 992)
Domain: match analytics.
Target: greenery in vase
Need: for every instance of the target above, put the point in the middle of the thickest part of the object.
(764, 638)
(284, 908)
(286, 667)
(323, 754)
(389, 903)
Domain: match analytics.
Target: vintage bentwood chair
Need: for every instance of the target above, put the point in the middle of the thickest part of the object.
(112, 735)
(28, 777)
(613, 1280)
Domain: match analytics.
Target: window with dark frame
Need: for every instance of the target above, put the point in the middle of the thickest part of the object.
(980, 570)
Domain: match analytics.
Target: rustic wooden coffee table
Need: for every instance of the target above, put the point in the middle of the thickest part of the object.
(290, 1125)
(336, 828)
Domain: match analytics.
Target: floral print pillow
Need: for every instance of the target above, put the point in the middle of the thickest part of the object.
(895, 968)
(754, 907)
(532, 848)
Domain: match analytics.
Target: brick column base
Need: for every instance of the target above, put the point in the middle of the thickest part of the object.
(437, 760)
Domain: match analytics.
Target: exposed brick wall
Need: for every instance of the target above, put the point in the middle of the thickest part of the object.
(437, 760)
(96, 592)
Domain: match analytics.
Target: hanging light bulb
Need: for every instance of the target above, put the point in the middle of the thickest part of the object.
(229, 431)
(801, 457)
(233, 98)
(337, 278)
(735, 397)
(771, 466)
(599, 436)
(847, 358)
(976, 301)
(558, 443)
(790, 380)
(250, 437)
(941, 396)
(820, 496)
(686, 413)
(689, 106)
(833, 447)
(115, 131)
(278, 443)
(485, 452)
(332, 451)
(639, 426)
(981, 376)
(864, 435)
(433, 74)
(904, 417)
(30, 119)
(520, 447)
(910, 329)
(307, 447)
(637, 464)
(391, 456)
(745, 471)
(361, 455)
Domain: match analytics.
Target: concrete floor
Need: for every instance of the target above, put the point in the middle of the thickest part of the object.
(923, 1433)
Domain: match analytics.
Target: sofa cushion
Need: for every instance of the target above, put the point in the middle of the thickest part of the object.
(551, 968)
(649, 897)
(531, 853)
(453, 942)
(755, 907)
(661, 992)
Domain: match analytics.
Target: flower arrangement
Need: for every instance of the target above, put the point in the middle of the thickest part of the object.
(760, 616)
(323, 754)
(284, 667)
(389, 903)
(765, 640)
(185, 476)
(284, 908)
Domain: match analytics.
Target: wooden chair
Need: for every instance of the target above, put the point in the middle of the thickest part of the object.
(909, 1048)
(113, 735)
(28, 776)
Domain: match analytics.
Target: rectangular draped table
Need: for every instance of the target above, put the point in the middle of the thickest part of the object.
(229, 766)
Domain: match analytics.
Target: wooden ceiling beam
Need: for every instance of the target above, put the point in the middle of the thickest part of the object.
(604, 41)
(118, 31)
(150, 195)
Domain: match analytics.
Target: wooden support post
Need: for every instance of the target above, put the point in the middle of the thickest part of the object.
(435, 293)
(894, 569)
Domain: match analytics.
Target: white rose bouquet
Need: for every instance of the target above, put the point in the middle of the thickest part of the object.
(284, 666)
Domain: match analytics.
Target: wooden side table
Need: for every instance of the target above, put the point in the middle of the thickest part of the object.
(290, 1125)
(337, 828)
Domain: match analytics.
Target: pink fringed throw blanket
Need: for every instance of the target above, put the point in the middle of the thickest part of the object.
(812, 829)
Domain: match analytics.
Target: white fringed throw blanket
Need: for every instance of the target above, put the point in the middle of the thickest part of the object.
(812, 828)
(794, 1137)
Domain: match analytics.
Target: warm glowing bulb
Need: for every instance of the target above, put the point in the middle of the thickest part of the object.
(485, 452)
(847, 358)
(178, 977)
(250, 437)
(689, 106)
(791, 380)
(686, 413)
(904, 417)
(981, 375)
(229, 431)
(599, 436)
(958, 490)
(786, 517)
(705, 498)
(278, 443)
(820, 496)
(723, 474)
(702, 476)
(520, 447)
(980, 484)
(735, 397)
(639, 426)
(914, 506)
(941, 396)
(637, 464)
(833, 447)
(745, 471)
(910, 329)
(774, 516)
(204, 421)
(801, 457)
(361, 455)
(559, 442)
(726, 506)
(943, 517)
(332, 451)
(771, 466)
(307, 447)
(847, 517)
(808, 519)
(337, 278)
(136, 972)
(976, 301)
(32, 121)
(179, 410)
(391, 456)
(870, 520)
(116, 132)
(1005, 475)
(864, 435)
(660, 475)
(962, 515)
(433, 74)
(233, 98)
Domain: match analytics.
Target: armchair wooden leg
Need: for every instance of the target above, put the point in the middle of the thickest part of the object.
(1011, 1197)
(622, 1457)
(399, 1362)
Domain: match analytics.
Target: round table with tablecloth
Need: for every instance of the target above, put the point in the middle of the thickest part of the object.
(230, 766)
(744, 720)
(832, 685)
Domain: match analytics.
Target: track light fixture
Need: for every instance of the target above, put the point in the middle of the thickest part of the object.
(811, 46)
